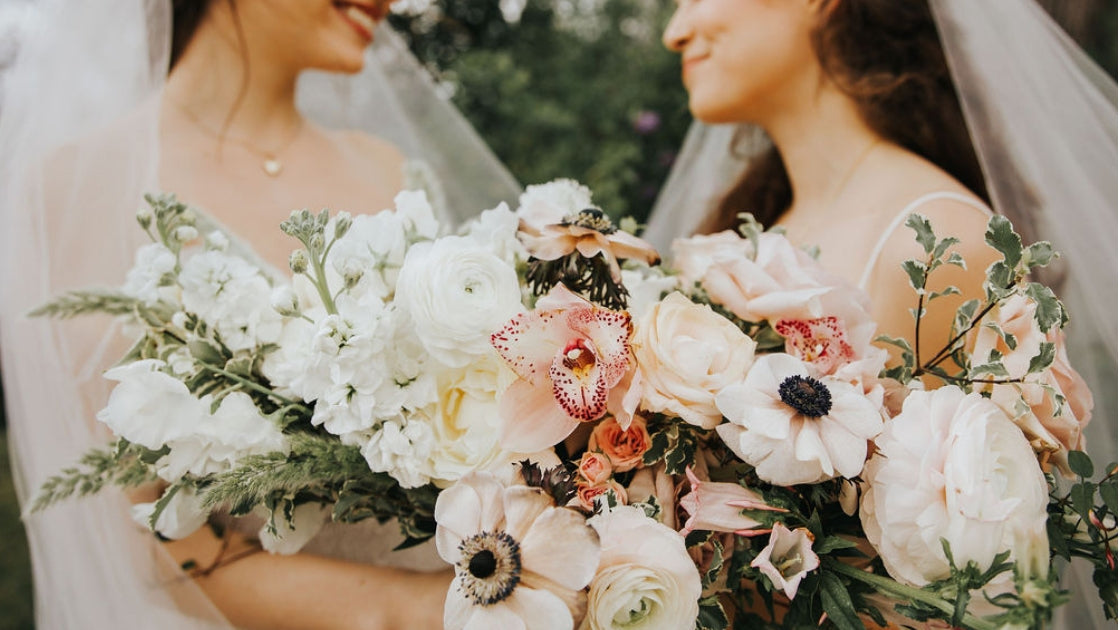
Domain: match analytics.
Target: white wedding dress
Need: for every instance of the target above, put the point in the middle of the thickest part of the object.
(68, 197)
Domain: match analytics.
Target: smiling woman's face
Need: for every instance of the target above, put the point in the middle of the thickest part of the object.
(323, 34)
(744, 60)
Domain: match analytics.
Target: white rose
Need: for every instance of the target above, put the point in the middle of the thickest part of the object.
(950, 466)
(457, 294)
(290, 537)
(548, 204)
(181, 517)
(645, 579)
(686, 354)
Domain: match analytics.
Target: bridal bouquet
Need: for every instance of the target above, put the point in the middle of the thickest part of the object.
(597, 441)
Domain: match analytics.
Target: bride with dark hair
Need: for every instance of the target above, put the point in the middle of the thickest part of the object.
(837, 119)
(269, 106)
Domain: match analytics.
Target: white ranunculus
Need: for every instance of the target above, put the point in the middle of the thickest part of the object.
(687, 354)
(153, 263)
(950, 466)
(181, 517)
(465, 420)
(457, 294)
(290, 537)
(645, 579)
(550, 203)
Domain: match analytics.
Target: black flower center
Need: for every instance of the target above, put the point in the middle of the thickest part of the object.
(592, 218)
(490, 567)
(808, 396)
(483, 564)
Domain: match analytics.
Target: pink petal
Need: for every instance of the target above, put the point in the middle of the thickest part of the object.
(529, 341)
(561, 297)
(578, 385)
(609, 332)
(626, 245)
(550, 245)
(531, 419)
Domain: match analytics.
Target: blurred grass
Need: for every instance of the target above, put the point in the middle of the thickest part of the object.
(15, 566)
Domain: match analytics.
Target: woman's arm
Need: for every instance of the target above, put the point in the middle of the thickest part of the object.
(306, 592)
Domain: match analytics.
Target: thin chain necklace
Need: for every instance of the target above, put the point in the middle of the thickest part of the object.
(847, 179)
(271, 163)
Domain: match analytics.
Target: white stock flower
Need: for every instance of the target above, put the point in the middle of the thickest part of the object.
(182, 516)
(290, 537)
(457, 294)
(401, 448)
(233, 296)
(520, 561)
(548, 204)
(153, 263)
(950, 466)
(795, 428)
(416, 211)
(645, 579)
(496, 229)
(686, 354)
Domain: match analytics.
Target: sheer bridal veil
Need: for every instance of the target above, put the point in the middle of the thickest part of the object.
(79, 147)
(1043, 121)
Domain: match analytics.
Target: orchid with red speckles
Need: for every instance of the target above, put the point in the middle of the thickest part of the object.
(569, 355)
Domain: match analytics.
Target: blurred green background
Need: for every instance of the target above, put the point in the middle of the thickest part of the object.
(558, 88)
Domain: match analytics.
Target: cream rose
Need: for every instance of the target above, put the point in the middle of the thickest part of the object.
(686, 354)
(950, 466)
(645, 578)
(465, 421)
(457, 293)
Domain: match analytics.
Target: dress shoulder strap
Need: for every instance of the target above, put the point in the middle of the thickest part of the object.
(901, 217)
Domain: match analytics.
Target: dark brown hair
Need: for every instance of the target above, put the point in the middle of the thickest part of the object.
(186, 15)
(887, 57)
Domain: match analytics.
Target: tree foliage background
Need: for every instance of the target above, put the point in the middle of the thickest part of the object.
(580, 88)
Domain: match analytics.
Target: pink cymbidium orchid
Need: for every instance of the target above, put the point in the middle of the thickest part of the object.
(822, 342)
(568, 355)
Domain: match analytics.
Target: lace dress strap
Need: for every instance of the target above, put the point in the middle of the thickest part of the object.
(901, 217)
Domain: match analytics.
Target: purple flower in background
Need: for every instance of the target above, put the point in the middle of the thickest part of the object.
(647, 122)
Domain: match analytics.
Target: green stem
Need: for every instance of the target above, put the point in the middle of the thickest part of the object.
(904, 592)
(257, 387)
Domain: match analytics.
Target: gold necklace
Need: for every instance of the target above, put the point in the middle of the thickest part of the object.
(271, 163)
(860, 159)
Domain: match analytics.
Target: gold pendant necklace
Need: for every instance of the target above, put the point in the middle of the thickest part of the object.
(271, 163)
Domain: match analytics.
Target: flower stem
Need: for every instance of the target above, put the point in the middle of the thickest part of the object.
(257, 387)
(910, 593)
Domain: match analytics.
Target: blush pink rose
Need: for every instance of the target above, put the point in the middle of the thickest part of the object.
(623, 447)
(587, 494)
(594, 468)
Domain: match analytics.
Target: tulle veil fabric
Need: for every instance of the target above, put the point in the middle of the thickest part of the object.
(1043, 120)
(79, 146)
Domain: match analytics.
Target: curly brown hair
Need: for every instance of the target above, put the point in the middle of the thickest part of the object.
(887, 57)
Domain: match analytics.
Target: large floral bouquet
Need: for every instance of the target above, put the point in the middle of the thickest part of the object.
(599, 442)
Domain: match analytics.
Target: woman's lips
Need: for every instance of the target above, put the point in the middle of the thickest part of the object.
(361, 18)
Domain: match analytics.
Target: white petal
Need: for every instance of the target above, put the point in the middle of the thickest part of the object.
(561, 547)
(540, 609)
(471, 506)
(457, 610)
(494, 617)
(523, 505)
(770, 420)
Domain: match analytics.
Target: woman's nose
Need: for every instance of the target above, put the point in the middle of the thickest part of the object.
(676, 33)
